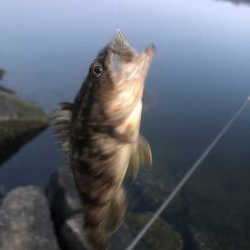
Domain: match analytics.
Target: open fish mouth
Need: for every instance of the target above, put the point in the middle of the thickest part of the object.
(126, 63)
(127, 70)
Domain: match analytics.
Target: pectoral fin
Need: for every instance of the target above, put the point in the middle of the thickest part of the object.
(140, 157)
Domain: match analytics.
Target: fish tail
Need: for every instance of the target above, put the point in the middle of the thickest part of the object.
(101, 221)
(97, 237)
(117, 210)
(94, 229)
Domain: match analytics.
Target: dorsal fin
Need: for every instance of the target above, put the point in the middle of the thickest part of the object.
(61, 120)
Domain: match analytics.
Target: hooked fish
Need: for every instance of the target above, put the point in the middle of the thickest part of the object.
(99, 132)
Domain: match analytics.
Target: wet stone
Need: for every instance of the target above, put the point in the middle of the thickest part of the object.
(20, 121)
(161, 235)
(71, 235)
(62, 195)
(25, 221)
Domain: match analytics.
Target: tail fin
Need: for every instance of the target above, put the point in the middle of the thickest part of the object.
(100, 222)
(117, 210)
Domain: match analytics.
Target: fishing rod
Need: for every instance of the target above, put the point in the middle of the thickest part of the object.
(188, 174)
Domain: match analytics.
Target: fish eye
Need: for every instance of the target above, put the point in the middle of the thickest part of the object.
(96, 69)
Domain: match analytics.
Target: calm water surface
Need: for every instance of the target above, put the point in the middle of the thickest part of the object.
(200, 74)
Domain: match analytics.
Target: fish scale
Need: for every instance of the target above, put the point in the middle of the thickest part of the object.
(99, 132)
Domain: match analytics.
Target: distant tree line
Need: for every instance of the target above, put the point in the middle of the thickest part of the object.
(237, 1)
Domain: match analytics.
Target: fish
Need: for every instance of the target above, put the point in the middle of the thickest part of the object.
(99, 132)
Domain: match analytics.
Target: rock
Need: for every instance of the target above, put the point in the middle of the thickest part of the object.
(150, 190)
(62, 194)
(71, 235)
(160, 236)
(147, 193)
(25, 221)
(19, 122)
(218, 211)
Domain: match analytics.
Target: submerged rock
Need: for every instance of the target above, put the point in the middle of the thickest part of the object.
(218, 212)
(25, 221)
(66, 212)
(160, 236)
(71, 235)
(146, 194)
(62, 195)
(19, 122)
(150, 190)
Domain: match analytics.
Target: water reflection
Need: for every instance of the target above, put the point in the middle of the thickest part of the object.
(200, 75)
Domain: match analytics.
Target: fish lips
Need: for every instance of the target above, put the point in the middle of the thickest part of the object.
(125, 63)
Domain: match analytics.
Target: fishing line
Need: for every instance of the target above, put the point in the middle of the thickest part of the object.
(118, 30)
(118, 13)
(188, 175)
